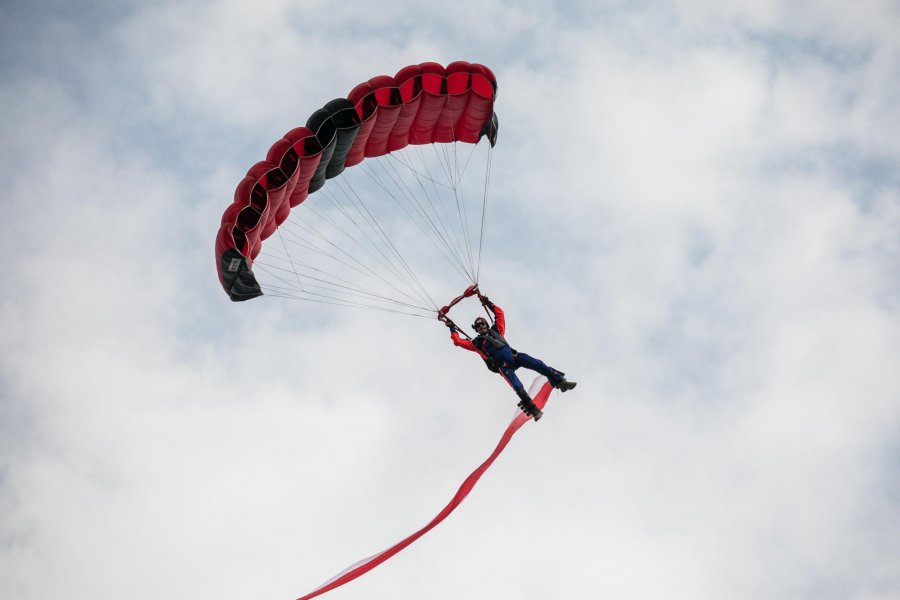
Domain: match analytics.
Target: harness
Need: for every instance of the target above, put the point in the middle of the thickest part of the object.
(492, 338)
(489, 342)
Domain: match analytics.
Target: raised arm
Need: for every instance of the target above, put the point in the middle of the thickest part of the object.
(499, 317)
(460, 341)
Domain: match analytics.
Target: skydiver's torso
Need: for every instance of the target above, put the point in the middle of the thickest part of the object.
(494, 346)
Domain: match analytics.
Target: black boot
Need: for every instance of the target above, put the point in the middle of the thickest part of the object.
(528, 406)
(565, 386)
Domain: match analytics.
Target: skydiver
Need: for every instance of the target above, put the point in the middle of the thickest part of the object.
(501, 358)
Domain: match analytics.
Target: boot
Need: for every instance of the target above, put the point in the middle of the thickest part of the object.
(528, 406)
(531, 410)
(565, 386)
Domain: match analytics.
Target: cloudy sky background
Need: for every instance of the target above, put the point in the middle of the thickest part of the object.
(694, 211)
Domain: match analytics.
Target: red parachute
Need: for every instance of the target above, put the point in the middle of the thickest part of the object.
(422, 104)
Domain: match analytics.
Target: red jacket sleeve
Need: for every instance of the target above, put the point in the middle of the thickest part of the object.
(462, 342)
(499, 319)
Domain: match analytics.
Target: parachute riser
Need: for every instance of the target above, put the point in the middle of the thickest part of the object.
(488, 313)
(449, 321)
(472, 290)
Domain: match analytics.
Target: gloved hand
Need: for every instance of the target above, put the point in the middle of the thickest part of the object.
(450, 326)
(486, 301)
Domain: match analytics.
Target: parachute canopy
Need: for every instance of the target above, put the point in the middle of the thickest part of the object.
(422, 104)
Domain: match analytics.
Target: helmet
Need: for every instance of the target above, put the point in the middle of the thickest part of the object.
(479, 321)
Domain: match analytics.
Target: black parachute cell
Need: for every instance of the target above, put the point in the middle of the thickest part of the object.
(239, 280)
(491, 129)
(336, 125)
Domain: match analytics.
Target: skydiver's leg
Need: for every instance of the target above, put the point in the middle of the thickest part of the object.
(534, 364)
(509, 374)
(528, 406)
(525, 402)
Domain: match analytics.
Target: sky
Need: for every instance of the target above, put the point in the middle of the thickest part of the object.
(694, 212)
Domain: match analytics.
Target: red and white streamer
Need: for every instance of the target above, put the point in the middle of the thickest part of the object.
(540, 392)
